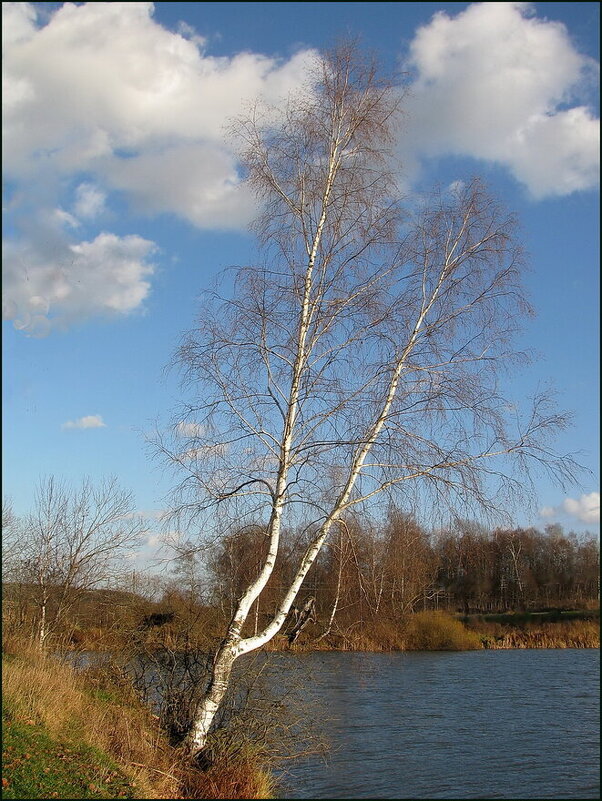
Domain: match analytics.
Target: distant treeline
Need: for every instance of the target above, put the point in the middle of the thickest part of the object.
(388, 571)
(366, 573)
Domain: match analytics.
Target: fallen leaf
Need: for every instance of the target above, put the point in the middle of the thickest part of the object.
(5, 782)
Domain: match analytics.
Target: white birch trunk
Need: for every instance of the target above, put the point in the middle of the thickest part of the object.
(42, 629)
(337, 597)
(233, 646)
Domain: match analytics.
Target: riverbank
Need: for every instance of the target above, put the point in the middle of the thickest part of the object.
(537, 630)
(68, 734)
(85, 734)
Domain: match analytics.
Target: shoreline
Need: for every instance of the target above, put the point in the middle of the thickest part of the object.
(422, 631)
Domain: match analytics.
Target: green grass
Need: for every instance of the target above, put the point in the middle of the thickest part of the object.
(38, 765)
(70, 734)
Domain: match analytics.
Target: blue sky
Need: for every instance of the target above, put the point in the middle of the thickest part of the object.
(121, 199)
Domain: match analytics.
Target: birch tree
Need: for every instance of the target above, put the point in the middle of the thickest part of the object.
(362, 355)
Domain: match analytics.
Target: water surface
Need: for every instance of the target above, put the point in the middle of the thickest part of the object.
(477, 724)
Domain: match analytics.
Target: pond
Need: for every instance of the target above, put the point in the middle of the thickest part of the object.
(474, 724)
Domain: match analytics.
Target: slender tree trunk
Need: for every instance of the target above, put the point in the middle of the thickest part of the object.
(335, 605)
(42, 629)
(43, 624)
(214, 695)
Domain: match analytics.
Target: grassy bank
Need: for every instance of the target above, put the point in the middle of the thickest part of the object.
(38, 765)
(72, 735)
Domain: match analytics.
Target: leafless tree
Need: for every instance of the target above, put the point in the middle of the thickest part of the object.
(362, 355)
(409, 566)
(10, 537)
(72, 542)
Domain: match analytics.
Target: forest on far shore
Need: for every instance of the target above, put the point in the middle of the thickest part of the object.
(367, 583)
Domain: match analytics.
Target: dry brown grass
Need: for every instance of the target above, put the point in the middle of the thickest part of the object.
(99, 709)
(230, 777)
(421, 631)
(569, 634)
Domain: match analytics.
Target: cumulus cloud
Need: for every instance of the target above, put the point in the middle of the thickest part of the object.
(586, 508)
(198, 182)
(89, 421)
(154, 540)
(99, 100)
(204, 452)
(494, 83)
(107, 83)
(189, 429)
(89, 201)
(18, 22)
(48, 282)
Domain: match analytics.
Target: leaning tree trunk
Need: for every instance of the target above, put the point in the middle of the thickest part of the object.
(337, 597)
(213, 697)
(306, 614)
(329, 199)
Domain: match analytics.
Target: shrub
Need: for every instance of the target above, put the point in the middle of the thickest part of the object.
(438, 631)
(235, 772)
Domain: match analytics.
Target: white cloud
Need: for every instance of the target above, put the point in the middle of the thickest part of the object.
(154, 540)
(103, 91)
(548, 511)
(134, 88)
(63, 218)
(89, 421)
(204, 452)
(198, 182)
(586, 508)
(89, 201)
(100, 99)
(493, 83)
(18, 22)
(49, 283)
